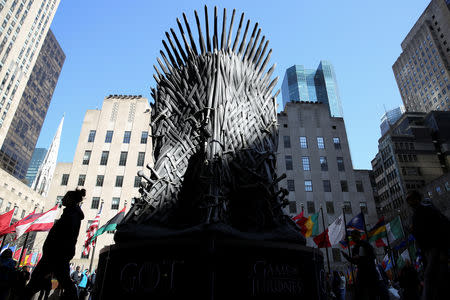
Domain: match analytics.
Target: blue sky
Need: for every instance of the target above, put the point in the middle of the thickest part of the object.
(111, 46)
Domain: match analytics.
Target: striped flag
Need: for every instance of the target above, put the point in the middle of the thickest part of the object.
(90, 233)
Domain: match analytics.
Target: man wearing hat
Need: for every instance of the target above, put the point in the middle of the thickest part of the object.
(59, 248)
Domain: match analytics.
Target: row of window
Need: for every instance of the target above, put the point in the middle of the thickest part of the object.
(8, 207)
(99, 181)
(304, 142)
(311, 208)
(326, 185)
(110, 133)
(322, 160)
(105, 155)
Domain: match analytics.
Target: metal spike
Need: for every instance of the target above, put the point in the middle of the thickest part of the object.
(174, 50)
(231, 29)
(172, 60)
(241, 47)
(188, 28)
(258, 51)
(236, 39)
(266, 61)
(224, 23)
(208, 40)
(215, 37)
(186, 44)
(200, 35)
(250, 43)
(252, 51)
(180, 48)
(262, 54)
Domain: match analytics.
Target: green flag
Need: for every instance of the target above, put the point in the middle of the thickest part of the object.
(394, 229)
(111, 224)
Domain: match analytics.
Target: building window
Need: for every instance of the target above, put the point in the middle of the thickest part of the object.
(287, 141)
(337, 143)
(123, 158)
(109, 135)
(8, 207)
(144, 136)
(126, 137)
(326, 186)
(344, 186)
(320, 143)
(1, 202)
(104, 158)
(290, 185)
(115, 203)
(303, 142)
(91, 137)
(363, 206)
(330, 207)
(23, 214)
(308, 186)
(65, 179)
(340, 163)
(100, 179)
(359, 186)
(305, 163)
(336, 254)
(81, 179)
(347, 207)
(59, 200)
(323, 163)
(310, 206)
(292, 207)
(141, 158)
(137, 181)
(288, 160)
(95, 202)
(119, 181)
(86, 157)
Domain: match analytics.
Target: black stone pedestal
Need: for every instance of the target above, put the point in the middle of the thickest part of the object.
(210, 268)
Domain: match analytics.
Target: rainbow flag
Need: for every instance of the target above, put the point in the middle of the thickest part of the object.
(378, 231)
(312, 225)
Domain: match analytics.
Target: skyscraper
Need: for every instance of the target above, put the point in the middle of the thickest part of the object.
(390, 117)
(36, 160)
(113, 146)
(320, 85)
(422, 70)
(21, 138)
(314, 153)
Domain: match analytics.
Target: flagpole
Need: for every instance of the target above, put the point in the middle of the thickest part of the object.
(364, 221)
(348, 243)
(4, 236)
(23, 248)
(95, 241)
(326, 248)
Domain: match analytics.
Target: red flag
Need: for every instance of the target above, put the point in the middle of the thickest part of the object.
(380, 243)
(322, 240)
(43, 223)
(5, 220)
(38, 258)
(16, 255)
(28, 219)
(300, 220)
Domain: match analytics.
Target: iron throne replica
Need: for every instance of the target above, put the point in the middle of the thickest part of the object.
(209, 221)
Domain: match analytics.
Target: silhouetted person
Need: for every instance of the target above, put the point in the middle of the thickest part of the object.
(363, 256)
(7, 273)
(409, 282)
(59, 248)
(45, 288)
(431, 230)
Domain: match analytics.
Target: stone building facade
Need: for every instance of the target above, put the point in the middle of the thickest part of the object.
(314, 153)
(113, 145)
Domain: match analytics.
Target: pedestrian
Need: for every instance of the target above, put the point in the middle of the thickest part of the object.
(83, 285)
(59, 248)
(7, 273)
(363, 256)
(46, 288)
(76, 278)
(336, 284)
(91, 284)
(431, 229)
(22, 277)
(342, 286)
(409, 282)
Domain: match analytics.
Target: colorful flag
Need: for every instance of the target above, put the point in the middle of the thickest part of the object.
(394, 229)
(336, 231)
(28, 219)
(378, 230)
(13, 248)
(401, 245)
(16, 255)
(356, 223)
(44, 222)
(322, 240)
(33, 258)
(300, 220)
(405, 255)
(111, 224)
(382, 242)
(90, 233)
(386, 263)
(312, 225)
(5, 220)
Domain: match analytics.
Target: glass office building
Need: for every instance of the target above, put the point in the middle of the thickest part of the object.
(35, 163)
(319, 85)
